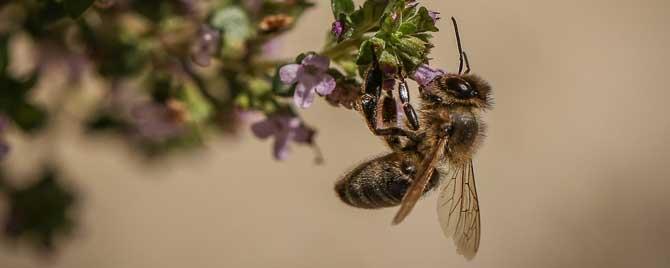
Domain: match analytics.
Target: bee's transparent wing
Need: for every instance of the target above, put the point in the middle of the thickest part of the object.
(458, 209)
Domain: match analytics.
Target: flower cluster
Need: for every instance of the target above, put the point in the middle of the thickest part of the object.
(174, 72)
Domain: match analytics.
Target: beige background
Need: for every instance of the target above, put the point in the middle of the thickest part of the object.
(573, 174)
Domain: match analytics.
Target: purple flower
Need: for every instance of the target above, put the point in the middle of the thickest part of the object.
(424, 74)
(284, 128)
(205, 46)
(434, 15)
(338, 29)
(311, 77)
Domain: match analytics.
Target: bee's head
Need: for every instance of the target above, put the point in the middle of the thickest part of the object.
(450, 89)
(462, 88)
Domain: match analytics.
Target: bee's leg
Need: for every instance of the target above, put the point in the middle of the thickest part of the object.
(389, 117)
(371, 103)
(403, 92)
(371, 108)
(372, 92)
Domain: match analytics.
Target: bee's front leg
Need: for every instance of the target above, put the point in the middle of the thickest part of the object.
(403, 92)
(371, 105)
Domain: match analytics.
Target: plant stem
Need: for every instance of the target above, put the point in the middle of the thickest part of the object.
(336, 51)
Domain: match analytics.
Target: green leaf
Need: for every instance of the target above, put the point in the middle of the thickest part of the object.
(349, 68)
(28, 117)
(367, 17)
(75, 8)
(368, 47)
(412, 46)
(408, 28)
(389, 25)
(243, 101)
(388, 61)
(199, 109)
(365, 53)
(422, 22)
(342, 7)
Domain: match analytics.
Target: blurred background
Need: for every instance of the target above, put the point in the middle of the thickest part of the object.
(573, 173)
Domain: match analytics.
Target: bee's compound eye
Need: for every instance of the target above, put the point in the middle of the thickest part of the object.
(408, 168)
(461, 88)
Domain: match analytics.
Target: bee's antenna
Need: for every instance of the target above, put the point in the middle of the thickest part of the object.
(467, 63)
(460, 48)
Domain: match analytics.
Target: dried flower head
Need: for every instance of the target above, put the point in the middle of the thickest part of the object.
(275, 23)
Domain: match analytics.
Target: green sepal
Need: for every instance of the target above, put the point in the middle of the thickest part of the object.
(199, 109)
(367, 48)
(341, 7)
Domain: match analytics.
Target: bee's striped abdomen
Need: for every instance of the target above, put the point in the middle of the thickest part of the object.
(381, 182)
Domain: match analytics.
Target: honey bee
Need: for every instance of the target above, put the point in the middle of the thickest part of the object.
(438, 150)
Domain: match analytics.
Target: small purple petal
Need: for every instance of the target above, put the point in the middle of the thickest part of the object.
(320, 63)
(326, 85)
(304, 134)
(304, 95)
(265, 128)
(248, 116)
(424, 74)
(290, 122)
(289, 73)
(434, 15)
(280, 148)
(337, 29)
(271, 48)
